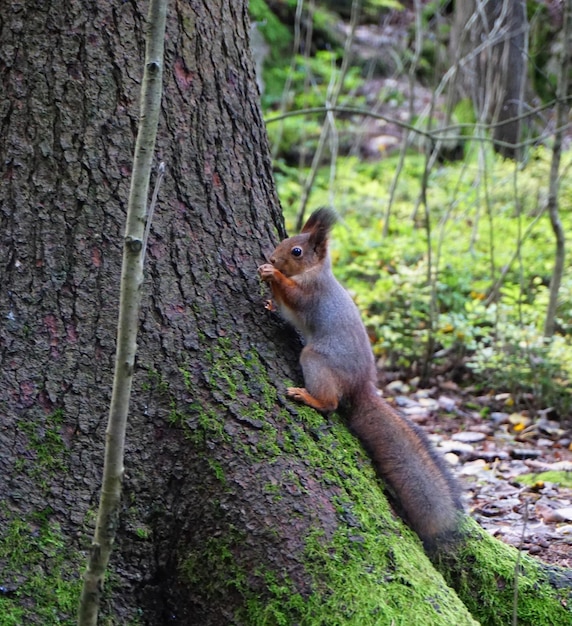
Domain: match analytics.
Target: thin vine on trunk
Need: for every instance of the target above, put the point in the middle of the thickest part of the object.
(129, 305)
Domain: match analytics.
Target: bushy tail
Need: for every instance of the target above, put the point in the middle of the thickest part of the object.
(425, 492)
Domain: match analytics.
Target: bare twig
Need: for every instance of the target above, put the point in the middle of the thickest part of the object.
(328, 126)
(494, 291)
(131, 279)
(158, 181)
(405, 143)
(309, 80)
(561, 117)
(289, 78)
(434, 134)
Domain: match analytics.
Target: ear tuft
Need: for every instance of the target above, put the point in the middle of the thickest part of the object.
(317, 228)
(322, 219)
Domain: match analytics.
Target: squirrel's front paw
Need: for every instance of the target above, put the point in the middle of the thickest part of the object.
(266, 271)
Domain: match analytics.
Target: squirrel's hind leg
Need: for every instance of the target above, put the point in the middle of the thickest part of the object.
(322, 389)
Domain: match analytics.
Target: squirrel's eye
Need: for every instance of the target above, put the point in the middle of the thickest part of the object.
(296, 251)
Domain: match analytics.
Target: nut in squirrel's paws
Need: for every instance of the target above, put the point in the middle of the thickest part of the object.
(266, 271)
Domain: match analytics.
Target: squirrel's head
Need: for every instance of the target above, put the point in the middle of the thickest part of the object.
(302, 252)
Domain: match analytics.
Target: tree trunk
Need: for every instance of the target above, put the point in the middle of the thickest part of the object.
(239, 507)
(489, 42)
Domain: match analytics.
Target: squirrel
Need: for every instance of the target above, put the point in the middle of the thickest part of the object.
(338, 366)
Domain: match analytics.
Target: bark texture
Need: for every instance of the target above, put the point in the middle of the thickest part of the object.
(238, 507)
(71, 76)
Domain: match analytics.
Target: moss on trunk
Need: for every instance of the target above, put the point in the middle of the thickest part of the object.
(484, 572)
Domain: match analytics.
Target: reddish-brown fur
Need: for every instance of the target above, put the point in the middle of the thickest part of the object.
(338, 364)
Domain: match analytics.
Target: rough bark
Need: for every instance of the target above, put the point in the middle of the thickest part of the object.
(239, 507)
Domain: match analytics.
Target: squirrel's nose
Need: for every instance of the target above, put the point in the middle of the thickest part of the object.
(272, 260)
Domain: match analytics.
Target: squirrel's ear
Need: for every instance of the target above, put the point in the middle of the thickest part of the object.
(322, 219)
(318, 227)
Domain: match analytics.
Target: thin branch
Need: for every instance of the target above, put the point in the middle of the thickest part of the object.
(405, 143)
(561, 117)
(328, 126)
(493, 294)
(290, 77)
(131, 280)
(433, 135)
(158, 181)
(309, 82)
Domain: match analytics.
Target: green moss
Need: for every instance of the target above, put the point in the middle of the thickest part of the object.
(564, 479)
(40, 577)
(155, 381)
(46, 443)
(216, 569)
(358, 580)
(237, 374)
(232, 378)
(217, 470)
(186, 377)
(360, 575)
(274, 489)
(350, 571)
(487, 586)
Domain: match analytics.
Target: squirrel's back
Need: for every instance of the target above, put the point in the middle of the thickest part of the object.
(338, 334)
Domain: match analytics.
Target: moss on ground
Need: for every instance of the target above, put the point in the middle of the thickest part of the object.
(563, 478)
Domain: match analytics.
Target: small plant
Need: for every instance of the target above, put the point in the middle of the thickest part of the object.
(534, 370)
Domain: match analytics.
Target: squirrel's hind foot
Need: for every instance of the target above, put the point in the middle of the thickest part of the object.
(303, 395)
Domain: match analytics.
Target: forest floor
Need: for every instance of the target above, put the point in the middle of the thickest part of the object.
(501, 456)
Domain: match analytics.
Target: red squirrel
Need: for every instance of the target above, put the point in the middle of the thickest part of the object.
(338, 365)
